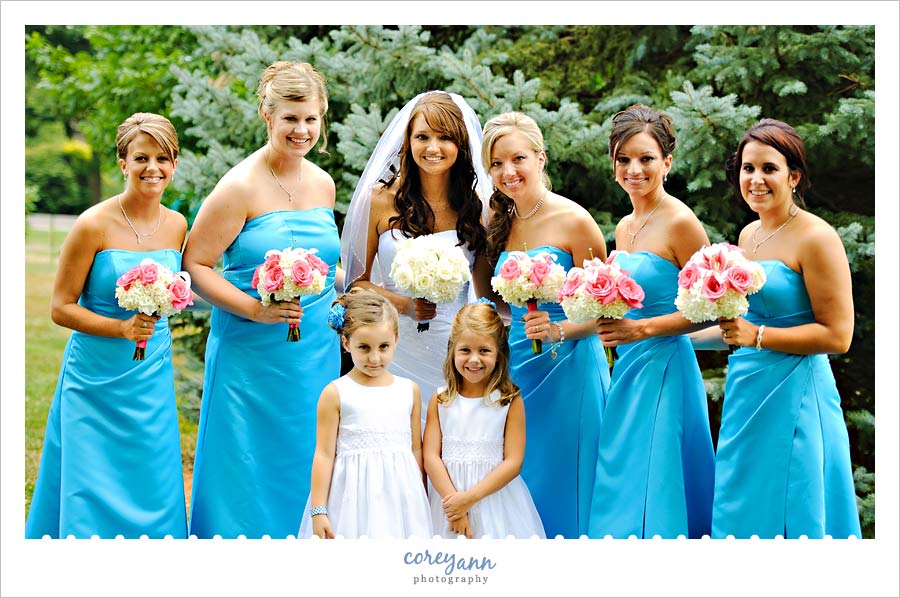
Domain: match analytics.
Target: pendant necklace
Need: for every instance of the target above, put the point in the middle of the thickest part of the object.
(274, 176)
(646, 220)
(793, 212)
(138, 235)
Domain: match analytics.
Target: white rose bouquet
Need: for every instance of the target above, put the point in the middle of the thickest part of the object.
(432, 268)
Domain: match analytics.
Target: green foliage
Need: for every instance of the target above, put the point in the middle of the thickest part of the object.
(56, 172)
(864, 481)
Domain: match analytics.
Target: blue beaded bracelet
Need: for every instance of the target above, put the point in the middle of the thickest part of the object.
(323, 510)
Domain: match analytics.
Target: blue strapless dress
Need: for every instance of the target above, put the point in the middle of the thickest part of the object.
(257, 430)
(564, 400)
(655, 466)
(111, 463)
(783, 458)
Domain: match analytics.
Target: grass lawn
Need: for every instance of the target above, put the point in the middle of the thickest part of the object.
(44, 344)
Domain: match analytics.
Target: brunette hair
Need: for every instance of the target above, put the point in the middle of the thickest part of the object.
(479, 318)
(494, 129)
(158, 127)
(414, 215)
(782, 137)
(639, 118)
(364, 308)
(285, 81)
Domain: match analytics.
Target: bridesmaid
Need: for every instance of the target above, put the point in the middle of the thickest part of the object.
(111, 463)
(423, 178)
(258, 416)
(655, 465)
(783, 460)
(563, 396)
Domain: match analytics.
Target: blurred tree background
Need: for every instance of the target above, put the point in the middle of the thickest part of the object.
(715, 81)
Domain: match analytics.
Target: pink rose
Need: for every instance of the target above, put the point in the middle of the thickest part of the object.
(255, 282)
(688, 276)
(713, 288)
(318, 264)
(603, 288)
(129, 277)
(273, 279)
(739, 278)
(539, 270)
(510, 270)
(149, 273)
(574, 279)
(181, 293)
(272, 260)
(301, 273)
(631, 292)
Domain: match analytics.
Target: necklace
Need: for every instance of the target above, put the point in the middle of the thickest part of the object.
(533, 211)
(646, 220)
(138, 235)
(792, 212)
(274, 176)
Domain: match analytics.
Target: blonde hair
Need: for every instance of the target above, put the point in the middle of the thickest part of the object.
(364, 308)
(158, 127)
(501, 205)
(285, 81)
(479, 318)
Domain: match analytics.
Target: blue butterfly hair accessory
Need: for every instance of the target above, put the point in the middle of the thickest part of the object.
(336, 317)
(488, 301)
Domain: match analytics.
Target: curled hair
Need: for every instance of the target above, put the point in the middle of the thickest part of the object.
(285, 81)
(479, 318)
(365, 308)
(414, 215)
(501, 205)
(642, 119)
(782, 137)
(158, 127)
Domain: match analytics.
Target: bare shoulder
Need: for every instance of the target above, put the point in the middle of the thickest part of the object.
(321, 181)
(682, 218)
(572, 216)
(90, 228)
(330, 398)
(816, 234)
(382, 206)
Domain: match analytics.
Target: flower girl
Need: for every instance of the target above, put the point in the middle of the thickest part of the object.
(475, 436)
(367, 477)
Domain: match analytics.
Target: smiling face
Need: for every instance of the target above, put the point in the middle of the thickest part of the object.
(434, 152)
(640, 166)
(474, 357)
(766, 182)
(371, 348)
(516, 167)
(295, 126)
(147, 168)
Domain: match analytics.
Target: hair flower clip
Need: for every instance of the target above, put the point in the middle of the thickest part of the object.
(336, 317)
(488, 301)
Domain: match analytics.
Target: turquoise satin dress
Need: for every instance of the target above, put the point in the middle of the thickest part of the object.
(783, 460)
(564, 400)
(257, 429)
(111, 462)
(655, 465)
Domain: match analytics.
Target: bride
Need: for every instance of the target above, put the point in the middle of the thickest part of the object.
(424, 177)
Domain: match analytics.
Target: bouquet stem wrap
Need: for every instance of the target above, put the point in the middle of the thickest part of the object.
(536, 345)
(422, 326)
(139, 349)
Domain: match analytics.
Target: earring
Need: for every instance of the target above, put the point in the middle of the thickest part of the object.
(124, 177)
(665, 177)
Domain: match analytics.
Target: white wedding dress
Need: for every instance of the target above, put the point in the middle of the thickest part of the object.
(420, 355)
(472, 436)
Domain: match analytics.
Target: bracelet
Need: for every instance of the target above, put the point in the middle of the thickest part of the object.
(562, 338)
(759, 333)
(323, 510)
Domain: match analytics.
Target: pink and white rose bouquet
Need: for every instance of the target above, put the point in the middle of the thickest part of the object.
(715, 283)
(599, 290)
(287, 274)
(153, 289)
(432, 268)
(523, 280)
